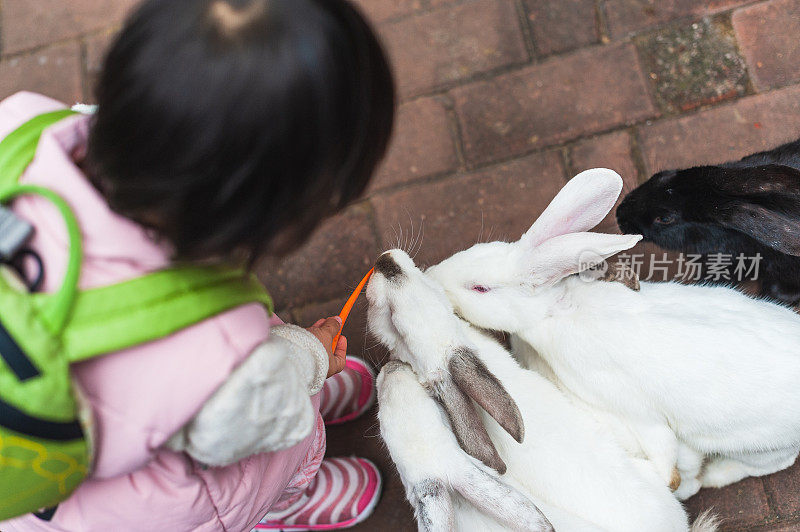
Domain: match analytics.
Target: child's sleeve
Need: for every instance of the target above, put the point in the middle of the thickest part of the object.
(306, 352)
(264, 406)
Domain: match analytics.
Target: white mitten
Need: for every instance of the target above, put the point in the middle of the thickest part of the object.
(264, 405)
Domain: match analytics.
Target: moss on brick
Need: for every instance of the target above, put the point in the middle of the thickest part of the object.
(694, 65)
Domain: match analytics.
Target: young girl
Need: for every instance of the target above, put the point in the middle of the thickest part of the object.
(226, 130)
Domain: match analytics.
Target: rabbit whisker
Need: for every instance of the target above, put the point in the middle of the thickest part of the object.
(421, 238)
(414, 249)
(400, 240)
(410, 239)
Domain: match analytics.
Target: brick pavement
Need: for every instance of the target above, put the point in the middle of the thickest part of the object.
(502, 101)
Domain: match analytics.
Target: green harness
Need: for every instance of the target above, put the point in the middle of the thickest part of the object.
(44, 453)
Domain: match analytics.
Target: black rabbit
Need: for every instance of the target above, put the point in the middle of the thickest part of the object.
(749, 207)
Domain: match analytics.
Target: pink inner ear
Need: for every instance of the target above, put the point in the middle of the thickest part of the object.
(583, 203)
(566, 254)
(570, 223)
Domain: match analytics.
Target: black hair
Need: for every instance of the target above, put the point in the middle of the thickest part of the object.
(236, 126)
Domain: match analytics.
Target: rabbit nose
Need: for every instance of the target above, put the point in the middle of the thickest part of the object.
(386, 266)
(625, 217)
(628, 227)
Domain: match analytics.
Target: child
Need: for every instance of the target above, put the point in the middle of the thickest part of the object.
(226, 130)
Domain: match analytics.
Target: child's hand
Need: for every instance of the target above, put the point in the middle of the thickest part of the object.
(326, 330)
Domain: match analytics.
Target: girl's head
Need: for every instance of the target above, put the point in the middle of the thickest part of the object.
(238, 125)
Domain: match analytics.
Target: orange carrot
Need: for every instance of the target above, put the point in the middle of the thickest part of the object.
(349, 305)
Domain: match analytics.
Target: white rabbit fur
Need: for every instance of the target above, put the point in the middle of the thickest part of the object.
(693, 371)
(567, 465)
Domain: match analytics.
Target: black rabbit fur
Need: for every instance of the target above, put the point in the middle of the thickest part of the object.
(750, 206)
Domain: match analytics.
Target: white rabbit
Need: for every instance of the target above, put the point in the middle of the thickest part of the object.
(692, 370)
(566, 465)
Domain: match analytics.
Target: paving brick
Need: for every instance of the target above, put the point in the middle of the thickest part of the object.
(382, 10)
(31, 23)
(779, 527)
(784, 491)
(739, 505)
(497, 203)
(447, 45)
(694, 65)
(723, 134)
(562, 25)
(285, 314)
(96, 47)
(767, 34)
(335, 258)
(54, 71)
(422, 144)
(607, 151)
(629, 16)
(558, 100)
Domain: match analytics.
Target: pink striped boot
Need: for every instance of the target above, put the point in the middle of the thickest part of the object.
(347, 395)
(343, 494)
(345, 490)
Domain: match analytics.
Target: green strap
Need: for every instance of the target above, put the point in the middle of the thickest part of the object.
(19, 147)
(54, 309)
(17, 151)
(154, 306)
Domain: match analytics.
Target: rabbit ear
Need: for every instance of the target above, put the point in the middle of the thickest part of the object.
(467, 425)
(772, 228)
(582, 204)
(475, 380)
(433, 507)
(471, 379)
(767, 179)
(766, 205)
(501, 501)
(573, 253)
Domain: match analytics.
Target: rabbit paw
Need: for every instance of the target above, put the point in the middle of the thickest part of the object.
(675, 480)
(613, 272)
(687, 489)
(723, 471)
(622, 273)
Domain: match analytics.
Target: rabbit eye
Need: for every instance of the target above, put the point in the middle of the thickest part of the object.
(480, 289)
(666, 219)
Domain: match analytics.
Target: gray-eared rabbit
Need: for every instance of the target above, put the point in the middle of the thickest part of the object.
(561, 469)
(749, 207)
(702, 378)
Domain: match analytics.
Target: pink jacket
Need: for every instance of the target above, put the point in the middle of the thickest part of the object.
(142, 396)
